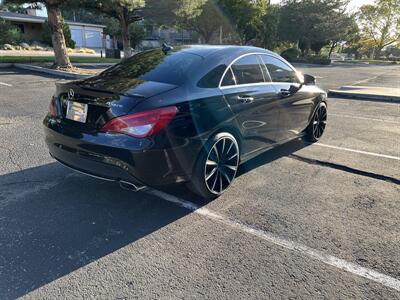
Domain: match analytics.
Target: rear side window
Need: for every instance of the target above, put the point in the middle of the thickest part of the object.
(154, 65)
(278, 70)
(229, 78)
(247, 70)
(212, 78)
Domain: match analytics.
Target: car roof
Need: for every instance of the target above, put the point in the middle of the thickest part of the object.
(207, 50)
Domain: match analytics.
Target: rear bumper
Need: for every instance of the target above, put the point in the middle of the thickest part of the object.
(117, 157)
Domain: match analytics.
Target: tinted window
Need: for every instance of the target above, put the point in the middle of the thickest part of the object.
(212, 78)
(247, 70)
(229, 79)
(278, 70)
(154, 65)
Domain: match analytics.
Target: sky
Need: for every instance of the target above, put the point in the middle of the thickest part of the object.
(354, 4)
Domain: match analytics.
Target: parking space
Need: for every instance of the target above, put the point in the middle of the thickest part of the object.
(301, 221)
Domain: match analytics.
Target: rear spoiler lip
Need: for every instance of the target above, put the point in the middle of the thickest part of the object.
(88, 88)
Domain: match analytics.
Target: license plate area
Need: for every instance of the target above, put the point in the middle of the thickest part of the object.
(77, 111)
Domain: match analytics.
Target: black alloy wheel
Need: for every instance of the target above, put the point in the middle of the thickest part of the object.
(217, 167)
(318, 123)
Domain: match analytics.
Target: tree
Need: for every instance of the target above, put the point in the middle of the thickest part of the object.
(16, 8)
(46, 35)
(56, 29)
(136, 34)
(381, 23)
(9, 34)
(392, 51)
(161, 12)
(346, 30)
(78, 13)
(313, 23)
(269, 35)
(202, 17)
(125, 11)
(244, 16)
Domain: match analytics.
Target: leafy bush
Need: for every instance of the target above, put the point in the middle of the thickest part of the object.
(86, 50)
(317, 60)
(37, 48)
(24, 46)
(8, 47)
(46, 35)
(9, 34)
(136, 34)
(290, 54)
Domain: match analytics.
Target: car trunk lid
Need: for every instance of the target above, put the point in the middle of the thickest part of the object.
(106, 100)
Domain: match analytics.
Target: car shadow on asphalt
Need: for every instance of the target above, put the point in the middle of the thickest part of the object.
(54, 221)
(271, 155)
(51, 225)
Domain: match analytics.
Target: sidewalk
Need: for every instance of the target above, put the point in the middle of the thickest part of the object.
(368, 92)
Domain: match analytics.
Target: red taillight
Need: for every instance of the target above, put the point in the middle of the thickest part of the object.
(141, 124)
(52, 108)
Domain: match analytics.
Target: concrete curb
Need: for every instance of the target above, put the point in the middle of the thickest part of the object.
(94, 64)
(364, 96)
(49, 71)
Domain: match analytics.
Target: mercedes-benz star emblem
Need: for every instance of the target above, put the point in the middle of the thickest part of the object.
(71, 94)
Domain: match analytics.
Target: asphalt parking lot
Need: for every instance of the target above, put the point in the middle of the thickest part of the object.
(301, 221)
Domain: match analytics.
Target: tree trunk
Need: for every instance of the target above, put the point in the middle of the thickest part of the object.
(125, 34)
(334, 44)
(57, 37)
(207, 36)
(377, 52)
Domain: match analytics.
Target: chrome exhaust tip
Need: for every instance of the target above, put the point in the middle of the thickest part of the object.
(129, 186)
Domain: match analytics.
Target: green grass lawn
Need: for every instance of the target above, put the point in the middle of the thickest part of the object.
(45, 59)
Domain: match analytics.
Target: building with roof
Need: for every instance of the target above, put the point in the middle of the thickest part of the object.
(84, 34)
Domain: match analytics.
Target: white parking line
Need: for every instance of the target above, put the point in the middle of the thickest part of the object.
(357, 151)
(287, 244)
(6, 84)
(365, 80)
(363, 118)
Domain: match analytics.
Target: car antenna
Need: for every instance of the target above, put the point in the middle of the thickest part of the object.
(166, 48)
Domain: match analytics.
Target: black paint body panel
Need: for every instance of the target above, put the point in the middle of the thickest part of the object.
(169, 156)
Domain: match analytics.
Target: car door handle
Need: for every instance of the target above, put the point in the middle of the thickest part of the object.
(245, 99)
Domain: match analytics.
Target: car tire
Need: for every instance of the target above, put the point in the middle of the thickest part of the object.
(216, 166)
(318, 123)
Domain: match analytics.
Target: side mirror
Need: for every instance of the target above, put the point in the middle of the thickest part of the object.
(309, 80)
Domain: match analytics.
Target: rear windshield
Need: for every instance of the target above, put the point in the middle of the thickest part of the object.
(154, 65)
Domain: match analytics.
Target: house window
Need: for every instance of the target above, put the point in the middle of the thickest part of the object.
(21, 27)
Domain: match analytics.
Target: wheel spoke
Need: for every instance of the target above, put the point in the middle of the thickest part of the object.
(215, 181)
(211, 162)
(323, 116)
(226, 176)
(233, 168)
(232, 157)
(216, 151)
(211, 173)
(229, 149)
(220, 182)
(223, 148)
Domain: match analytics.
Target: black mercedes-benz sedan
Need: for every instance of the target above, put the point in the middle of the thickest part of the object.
(186, 114)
